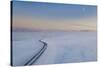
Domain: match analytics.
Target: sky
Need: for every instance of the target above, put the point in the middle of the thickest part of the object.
(53, 16)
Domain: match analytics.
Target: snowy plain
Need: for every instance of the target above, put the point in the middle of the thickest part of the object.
(63, 47)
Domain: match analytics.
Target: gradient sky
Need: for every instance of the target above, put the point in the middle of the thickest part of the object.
(52, 16)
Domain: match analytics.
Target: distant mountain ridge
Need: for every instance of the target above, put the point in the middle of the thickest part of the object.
(37, 30)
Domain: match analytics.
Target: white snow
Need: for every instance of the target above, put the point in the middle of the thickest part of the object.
(25, 46)
(63, 47)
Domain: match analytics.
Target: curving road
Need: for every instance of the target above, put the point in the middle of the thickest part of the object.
(35, 57)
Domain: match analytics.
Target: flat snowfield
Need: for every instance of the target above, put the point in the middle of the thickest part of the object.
(62, 47)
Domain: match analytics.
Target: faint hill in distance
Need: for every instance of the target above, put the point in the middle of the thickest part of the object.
(38, 30)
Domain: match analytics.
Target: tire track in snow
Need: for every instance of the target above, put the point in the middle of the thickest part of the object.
(36, 56)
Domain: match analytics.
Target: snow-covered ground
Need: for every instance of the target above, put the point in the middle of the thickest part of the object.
(63, 47)
(25, 46)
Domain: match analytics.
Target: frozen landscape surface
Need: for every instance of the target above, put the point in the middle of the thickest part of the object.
(63, 47)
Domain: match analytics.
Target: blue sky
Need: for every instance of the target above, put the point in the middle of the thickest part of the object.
(51, 11)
